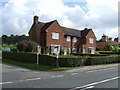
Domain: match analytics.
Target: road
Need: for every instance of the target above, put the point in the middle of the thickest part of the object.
(16, 77)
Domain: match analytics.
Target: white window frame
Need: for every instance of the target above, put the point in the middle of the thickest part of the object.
(74, 39)
(68, 38)
(91, 40)
(92, 50)
(74, 50)
(55, 35)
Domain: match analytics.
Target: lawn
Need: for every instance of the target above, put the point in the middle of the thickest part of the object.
(37, 67)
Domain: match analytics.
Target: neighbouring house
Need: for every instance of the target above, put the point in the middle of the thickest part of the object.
(52, 38)
(101, 45)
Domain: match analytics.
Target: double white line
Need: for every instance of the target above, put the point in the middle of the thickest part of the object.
(91, 85)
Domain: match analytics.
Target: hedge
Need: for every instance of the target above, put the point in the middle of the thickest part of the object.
(101, 52)
(102, 60)
(47, 60)
(71, 62)
(80, 54)
(62, 61)
(19, 56)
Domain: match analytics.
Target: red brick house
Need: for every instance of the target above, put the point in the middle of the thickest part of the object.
(52, 37)
(101, 45)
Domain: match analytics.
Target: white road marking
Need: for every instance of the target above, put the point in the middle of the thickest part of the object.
(74, 73)
(90, 71)
(5, 83)
(89, 87)
(95, 83)
(58, 76)
(20, 81)
(53, 76)
(32, 79)
(98, 70)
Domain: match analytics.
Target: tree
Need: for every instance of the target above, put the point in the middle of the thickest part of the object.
(115, 48)
(13, 39)
(27, 46)
(108, 47)
(109, 38)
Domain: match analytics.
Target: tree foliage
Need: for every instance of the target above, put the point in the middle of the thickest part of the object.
(27, 46)
(114, 48)
(13, 39)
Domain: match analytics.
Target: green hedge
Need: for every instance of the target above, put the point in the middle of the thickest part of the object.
(101, 52)
(21, 57)
(102, 60)
(62, 61)
(80, 54)
(47, 60)
(71, 62)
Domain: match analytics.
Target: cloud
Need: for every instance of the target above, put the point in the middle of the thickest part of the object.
(101, 15)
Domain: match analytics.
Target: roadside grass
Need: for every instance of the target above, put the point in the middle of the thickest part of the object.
(36, 67)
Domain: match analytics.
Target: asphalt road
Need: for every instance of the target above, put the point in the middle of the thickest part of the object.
(16, 77)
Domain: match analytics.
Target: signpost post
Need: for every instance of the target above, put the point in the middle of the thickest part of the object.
(38, 52)
(57, 54)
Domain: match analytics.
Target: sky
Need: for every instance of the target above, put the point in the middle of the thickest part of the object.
(16, 16)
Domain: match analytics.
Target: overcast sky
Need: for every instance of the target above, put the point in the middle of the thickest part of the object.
(100, 15)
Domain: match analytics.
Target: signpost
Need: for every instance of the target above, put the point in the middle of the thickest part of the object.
(57, 53)
(38, 52)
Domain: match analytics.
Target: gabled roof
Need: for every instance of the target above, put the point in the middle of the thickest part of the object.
(68, 31)
(46, 25)
(85, 32)
(71, 32)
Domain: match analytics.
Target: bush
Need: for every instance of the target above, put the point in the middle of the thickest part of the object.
(103, 60)
(80, 54)
(61, 61)
(27, 46)
(110, 53)
(21, 57)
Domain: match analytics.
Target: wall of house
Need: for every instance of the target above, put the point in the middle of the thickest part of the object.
(56, 29)
(87, 45)
(62, 41)
(34, 34)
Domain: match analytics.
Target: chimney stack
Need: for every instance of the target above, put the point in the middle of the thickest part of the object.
(35, 19)
(104, 37)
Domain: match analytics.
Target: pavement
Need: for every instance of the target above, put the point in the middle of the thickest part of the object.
(98, 76)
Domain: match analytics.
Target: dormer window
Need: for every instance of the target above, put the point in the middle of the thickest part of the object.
(74, 39)
(55, 35)
(68, 38)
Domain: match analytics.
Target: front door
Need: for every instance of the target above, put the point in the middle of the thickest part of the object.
(55, 49)
(91, 50)
(65, 50)
(84, 50)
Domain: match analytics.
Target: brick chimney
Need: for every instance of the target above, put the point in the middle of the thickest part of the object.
(35, 19)
(104, 37)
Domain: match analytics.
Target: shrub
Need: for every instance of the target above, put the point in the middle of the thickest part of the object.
(27, 46)
(21, 57)
(103, 60)
(105, 52)
(80, 54)
(69, 56)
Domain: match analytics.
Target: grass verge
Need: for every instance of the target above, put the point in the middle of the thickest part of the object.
(36, 67)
